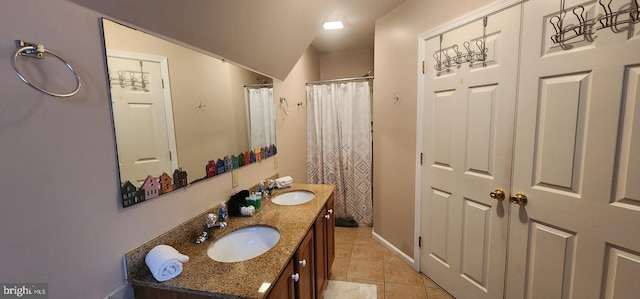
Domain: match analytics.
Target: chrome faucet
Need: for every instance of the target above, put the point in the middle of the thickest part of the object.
(220, 224)
(270, 185)
(212, 222)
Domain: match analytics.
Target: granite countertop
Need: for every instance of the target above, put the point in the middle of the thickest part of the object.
(204, 276)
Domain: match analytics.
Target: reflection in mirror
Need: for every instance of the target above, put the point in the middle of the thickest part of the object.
(175, 110)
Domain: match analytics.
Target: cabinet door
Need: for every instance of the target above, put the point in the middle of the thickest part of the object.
(320, 236)
(304, 266)
(330, 240)
(284, 286)
(142, 292)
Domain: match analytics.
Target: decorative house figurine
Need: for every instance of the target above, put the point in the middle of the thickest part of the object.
(265, 152)
(131, 195)
(247, 158)
(166, 183)
(252, 157)
(257, 152)
(234, 161)
(228, 164)
(211, 168)
(220, 166)
(241, 160)
(151, 188)
(180, 178)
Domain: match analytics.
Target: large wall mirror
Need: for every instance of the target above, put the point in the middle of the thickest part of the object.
(175, 110)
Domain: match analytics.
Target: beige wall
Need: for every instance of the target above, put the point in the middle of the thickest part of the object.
(345, 64)
(394, 131)
(291, 130)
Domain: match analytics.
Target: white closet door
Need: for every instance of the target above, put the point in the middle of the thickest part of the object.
(577, 159)
(468, 138)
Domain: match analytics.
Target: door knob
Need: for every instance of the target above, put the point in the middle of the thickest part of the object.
(497, 194)
(295, 277)
(303, 263)
(519, 199)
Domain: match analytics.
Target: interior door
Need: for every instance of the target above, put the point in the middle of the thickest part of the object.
(468, 138)
(577, 160)
(140, 118)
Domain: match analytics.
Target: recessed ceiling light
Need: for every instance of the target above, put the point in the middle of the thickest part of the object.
(333, 25)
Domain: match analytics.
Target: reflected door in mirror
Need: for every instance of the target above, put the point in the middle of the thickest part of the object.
(142, 121)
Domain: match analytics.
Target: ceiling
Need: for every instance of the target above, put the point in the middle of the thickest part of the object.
(268, 37)
(359, 18)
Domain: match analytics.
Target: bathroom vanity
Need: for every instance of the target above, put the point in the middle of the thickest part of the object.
(298, 266)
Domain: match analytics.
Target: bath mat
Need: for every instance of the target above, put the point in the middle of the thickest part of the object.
(349, 290)
(346, 222)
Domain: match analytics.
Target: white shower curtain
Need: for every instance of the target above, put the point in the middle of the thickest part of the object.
(339, 146)
(261, 117)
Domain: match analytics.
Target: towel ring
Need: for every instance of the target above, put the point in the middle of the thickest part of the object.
(37, 51)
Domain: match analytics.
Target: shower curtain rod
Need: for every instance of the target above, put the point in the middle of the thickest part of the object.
(340, 80)
(259, 85)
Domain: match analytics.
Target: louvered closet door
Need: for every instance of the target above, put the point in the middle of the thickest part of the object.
(468, 137)
(577, 159)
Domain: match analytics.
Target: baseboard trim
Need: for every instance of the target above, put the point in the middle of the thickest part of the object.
(403, 256)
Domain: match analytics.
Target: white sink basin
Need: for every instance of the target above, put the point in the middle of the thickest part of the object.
(243, 244)
(293, 198)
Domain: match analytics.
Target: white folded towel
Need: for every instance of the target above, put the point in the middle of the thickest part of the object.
(165, 262)
(284, 182)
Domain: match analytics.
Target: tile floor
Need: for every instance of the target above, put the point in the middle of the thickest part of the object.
(360, 258)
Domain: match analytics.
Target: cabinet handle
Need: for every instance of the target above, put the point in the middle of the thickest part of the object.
(327, 216)
(295, 277)
(303, 263)
(330, 211)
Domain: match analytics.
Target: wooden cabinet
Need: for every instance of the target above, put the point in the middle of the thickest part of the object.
(284, 287)
(320, 234)
(148, 292)
(311, 266)
(324, 233)
(316, 253)
(331, 228)
(304, 265)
